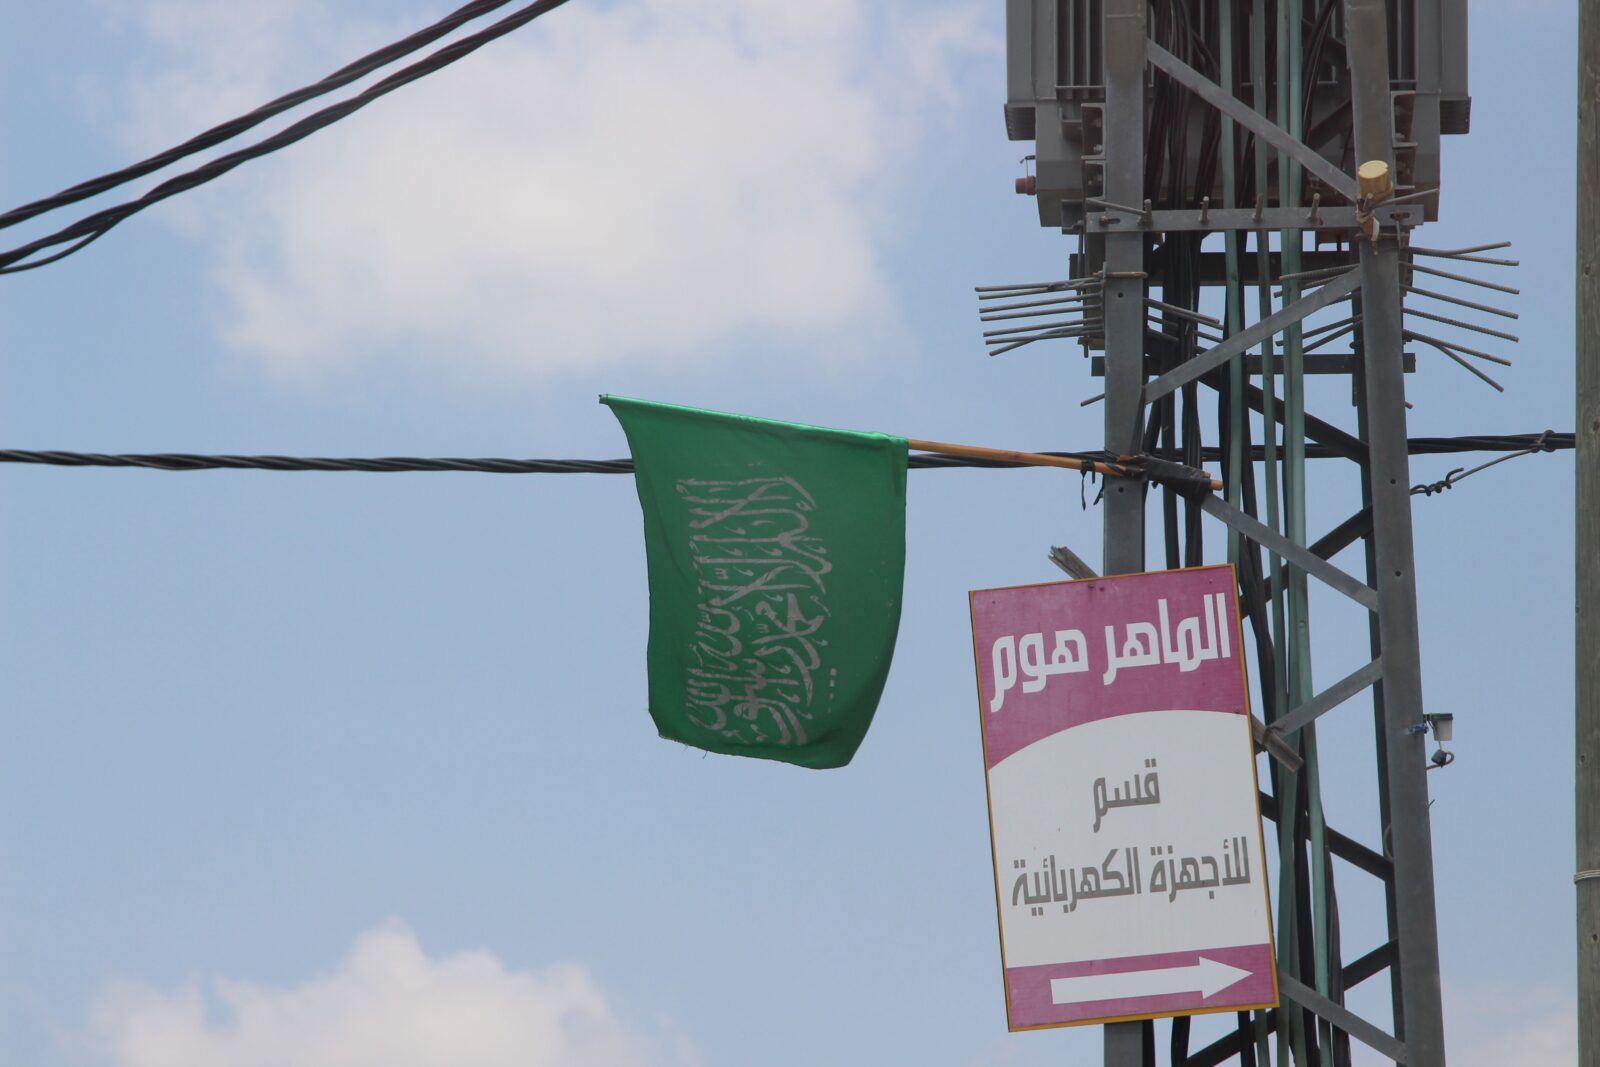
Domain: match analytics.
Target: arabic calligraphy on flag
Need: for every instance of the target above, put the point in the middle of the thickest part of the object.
(762, 608)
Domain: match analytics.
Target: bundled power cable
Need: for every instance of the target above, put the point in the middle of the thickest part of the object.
(1163, 466)
(85, 231)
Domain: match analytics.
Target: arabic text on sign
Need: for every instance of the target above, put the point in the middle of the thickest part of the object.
(1194, 640)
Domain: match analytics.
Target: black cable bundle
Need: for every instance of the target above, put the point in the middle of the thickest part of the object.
(79, 235)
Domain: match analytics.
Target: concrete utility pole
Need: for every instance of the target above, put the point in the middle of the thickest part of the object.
(1587, 511)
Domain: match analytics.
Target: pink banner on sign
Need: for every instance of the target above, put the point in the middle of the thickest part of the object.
(1131, 656)
(1224, 977)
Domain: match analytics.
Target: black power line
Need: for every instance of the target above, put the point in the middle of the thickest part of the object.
(184, 461)
(80, 234)
(226, 131)
(1541, 444)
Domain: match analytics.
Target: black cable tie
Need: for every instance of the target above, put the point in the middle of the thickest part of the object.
(1189, 482)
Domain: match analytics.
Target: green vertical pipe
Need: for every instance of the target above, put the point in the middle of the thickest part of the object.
(1239, 463)
(1269, 371)
(1291, 1035)
(1235, 295)
(1322, 928)
(1289, 1029)
(1294, 638)
(1300, 687)
(1301, 682)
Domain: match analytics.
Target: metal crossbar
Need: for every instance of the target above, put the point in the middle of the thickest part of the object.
(1336, 290)
(1252, 120)
(1329, 698)
(1297, 555)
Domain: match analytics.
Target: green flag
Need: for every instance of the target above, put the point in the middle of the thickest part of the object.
(776, 554)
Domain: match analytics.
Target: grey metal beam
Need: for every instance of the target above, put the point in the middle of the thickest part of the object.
(1233, 1042)
(1337, 539)
(1328, 699)
(1322, 432)
(1124, 41)
(1123, 219)
(1124, 36)
(1315, 363)
(1369, 556)
(1342, 845)
(1343, 1018)
(1274, 745)
(1213, 267)
(1344, 535)
(1297, 555)
(1404, 753)
(1262, 127)
(1359, 970)
(1336, 290)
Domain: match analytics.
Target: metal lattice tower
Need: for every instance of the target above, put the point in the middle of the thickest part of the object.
(1259, 124)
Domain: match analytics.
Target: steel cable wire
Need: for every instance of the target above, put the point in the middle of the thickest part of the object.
(226, 131)
(79, 234)
(189, 461)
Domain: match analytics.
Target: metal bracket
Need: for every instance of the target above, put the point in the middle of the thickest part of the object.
(1342, 1017)
(1336, 290)
(1298, 555)
(1329, 698)
(1252, 120)
(1119, 218)
(1274, 745)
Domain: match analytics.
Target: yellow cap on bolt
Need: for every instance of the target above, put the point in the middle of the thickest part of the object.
(1374, 181)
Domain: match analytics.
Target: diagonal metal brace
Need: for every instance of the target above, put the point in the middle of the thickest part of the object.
(1297, 555)
(1328, 699)
(1336, 290)
(1262, 127)
(1342, 1017)
(1274, 745)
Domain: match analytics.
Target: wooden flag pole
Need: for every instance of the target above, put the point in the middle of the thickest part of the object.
(1031, 459)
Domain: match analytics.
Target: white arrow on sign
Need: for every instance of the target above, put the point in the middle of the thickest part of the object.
(1206, 977)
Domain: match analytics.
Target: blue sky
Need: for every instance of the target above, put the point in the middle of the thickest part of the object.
(339, 769)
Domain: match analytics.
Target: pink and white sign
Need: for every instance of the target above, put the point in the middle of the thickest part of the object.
(1123, 809)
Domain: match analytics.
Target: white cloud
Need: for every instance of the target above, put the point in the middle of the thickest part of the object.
(387, 1005)
(1491, 1028)
(618, 182)
(1497, 1027)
